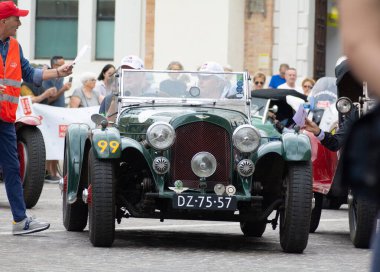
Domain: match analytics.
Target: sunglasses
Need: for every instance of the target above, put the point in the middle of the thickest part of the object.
(259, 82)
(308, 86)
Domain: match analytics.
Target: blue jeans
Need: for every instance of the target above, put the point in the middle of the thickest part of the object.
(11, 170)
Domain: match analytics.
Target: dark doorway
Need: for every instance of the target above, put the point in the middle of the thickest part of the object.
(320, 38)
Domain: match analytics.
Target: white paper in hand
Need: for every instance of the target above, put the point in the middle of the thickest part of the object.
(300, 116)
(81, 53)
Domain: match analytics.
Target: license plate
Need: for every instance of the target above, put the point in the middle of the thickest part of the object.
(206, 202)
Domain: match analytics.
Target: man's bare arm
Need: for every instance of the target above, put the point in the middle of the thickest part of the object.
(62, 71)
(59, 92)
(46, 94)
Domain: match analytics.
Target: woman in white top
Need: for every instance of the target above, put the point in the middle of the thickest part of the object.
(103, 83)
(86, 95)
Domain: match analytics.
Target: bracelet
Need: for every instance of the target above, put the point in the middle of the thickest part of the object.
(58, 75)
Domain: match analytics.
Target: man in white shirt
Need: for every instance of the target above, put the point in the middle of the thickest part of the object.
(291, 77)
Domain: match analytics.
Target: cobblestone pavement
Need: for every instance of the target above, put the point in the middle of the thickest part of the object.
(175, 245)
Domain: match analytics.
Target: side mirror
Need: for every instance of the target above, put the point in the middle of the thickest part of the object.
(274, 109)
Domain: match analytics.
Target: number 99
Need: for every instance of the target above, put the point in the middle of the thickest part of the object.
(103, 145)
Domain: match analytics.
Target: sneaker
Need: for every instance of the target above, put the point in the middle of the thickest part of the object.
(52, 179)
(29, 225)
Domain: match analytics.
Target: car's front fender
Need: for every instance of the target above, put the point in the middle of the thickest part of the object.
(106, 143)
(296, 146)
(270, 147)
(76, 136)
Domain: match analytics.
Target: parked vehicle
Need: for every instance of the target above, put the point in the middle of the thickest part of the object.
(324, 114)
(322, 110)
(203, 155)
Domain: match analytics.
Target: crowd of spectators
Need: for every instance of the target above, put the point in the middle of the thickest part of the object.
(94, 89)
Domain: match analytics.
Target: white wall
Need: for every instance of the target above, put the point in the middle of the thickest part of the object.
(194, 31)
(26, 33)
(294, 36)
(129, 28)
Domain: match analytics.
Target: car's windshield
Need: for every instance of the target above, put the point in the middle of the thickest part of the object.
(258, 106)
(324, 92)
(182, 84)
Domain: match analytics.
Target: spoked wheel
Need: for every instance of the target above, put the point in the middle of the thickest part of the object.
(361, 217)
(102, 205)
(32, 156)
(295, 217)
(253, 229)
(316, 212)
(75, 214)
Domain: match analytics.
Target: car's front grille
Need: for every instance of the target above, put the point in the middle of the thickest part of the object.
(196, 137)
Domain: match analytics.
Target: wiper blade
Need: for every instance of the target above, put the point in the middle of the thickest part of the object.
(131, 105)
(200, 104)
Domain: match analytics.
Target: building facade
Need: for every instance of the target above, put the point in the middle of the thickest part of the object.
(253, 35)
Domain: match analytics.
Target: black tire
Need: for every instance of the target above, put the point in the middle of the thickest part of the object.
(361, 217)
(102, 206)
(32, 156)
(253, 229)
(316, 212)
(74, 215)
(295, 217)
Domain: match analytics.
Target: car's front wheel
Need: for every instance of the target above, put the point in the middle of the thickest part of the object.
(32, 155)
(101, 208)
(361, 216)
(296, 213)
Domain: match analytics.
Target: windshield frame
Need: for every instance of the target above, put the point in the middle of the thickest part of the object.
(241, 105)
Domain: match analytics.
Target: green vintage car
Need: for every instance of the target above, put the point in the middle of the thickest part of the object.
(183, 146)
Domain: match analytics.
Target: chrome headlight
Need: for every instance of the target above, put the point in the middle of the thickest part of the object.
(203, 164)
(246, 138)
(344, 105)
(160, 135)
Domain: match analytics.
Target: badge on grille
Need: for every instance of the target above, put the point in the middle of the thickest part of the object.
(201, 116)
(178, 187)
